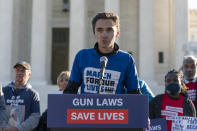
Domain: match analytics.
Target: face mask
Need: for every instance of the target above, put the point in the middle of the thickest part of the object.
(173, 88)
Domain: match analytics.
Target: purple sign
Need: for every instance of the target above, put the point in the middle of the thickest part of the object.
(97, 111)
(158, 125)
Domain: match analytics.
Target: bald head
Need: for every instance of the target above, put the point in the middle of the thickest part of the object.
(189, 67)
(189, 58)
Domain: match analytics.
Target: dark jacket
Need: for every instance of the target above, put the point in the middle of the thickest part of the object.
(3, 113)
(42, 126)
(195, 103)
(155, 107)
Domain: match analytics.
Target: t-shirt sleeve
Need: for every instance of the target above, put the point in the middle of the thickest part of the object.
(145, 89)
(35, 102)
(76, 73)
(131, 76)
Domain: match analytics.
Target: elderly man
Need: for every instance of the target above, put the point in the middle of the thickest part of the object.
(189, 68)
(23, 101)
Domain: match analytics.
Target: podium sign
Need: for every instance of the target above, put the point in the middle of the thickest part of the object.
(97, 111)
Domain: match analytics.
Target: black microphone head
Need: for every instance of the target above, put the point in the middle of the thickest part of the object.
(103, 61)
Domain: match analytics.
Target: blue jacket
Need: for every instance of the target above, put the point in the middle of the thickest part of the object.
(144, 88)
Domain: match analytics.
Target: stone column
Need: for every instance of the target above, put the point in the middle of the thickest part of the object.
(112, 6)
(181, 30)
(41, 42)
(146, 42)
(78, 30)
(6, 29)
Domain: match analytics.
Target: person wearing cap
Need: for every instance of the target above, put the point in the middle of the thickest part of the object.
(22, 101)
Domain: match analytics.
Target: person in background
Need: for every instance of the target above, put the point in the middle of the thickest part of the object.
(62, 80)
(145, 89)
(174, 102)
(189, 74)
(23, 102)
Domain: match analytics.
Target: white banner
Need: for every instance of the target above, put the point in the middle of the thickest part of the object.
(184, 123)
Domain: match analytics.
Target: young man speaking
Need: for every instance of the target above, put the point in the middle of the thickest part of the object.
(120, 74)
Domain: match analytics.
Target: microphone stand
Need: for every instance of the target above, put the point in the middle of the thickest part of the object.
(99, 84)
(103, 63)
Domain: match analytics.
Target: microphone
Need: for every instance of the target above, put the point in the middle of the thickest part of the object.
(103, 63)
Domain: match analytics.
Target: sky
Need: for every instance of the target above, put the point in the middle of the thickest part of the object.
(192, 4)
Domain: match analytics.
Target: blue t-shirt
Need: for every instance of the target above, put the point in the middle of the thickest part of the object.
(120, 72)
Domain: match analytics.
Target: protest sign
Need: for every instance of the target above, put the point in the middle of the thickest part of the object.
(158, 125)
(184, 123)
(97, 111)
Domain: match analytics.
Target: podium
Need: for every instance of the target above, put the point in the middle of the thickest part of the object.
(97, 112)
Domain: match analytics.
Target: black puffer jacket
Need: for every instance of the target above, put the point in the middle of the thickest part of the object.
(155, 107)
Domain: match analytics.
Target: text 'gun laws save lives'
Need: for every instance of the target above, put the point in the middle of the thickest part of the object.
(98, 111)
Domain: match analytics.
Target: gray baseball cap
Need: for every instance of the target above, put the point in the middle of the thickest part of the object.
(25, 64)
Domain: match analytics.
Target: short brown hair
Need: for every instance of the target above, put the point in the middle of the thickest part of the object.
(105, 15)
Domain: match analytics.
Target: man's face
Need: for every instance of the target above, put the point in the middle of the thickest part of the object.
(21, 74)
(189, 69)
(105, 33)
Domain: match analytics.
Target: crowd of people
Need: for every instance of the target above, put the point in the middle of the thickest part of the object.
(20, 103)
